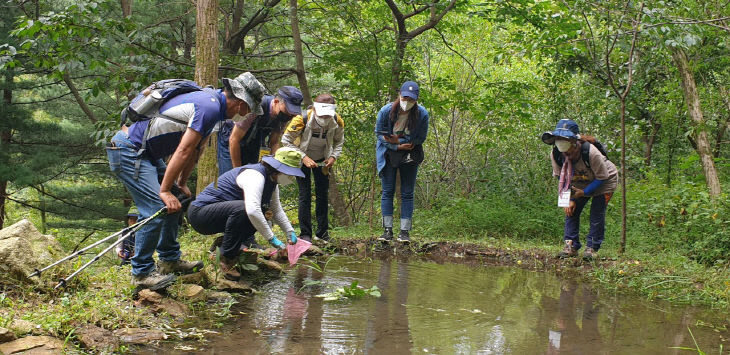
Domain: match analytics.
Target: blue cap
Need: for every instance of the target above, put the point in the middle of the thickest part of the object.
(565, 128)
(409, 89)
(292, 98)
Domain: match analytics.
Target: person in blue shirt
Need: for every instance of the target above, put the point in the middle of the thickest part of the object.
(401, 129)
(136, 153)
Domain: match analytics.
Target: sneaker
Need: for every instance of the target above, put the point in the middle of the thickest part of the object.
(305, 237)
(228, 268)
(179, 267)
(387, 235)
(568, 251)
(324, 239)
(589, 254)
(153, 281)
(403, 236)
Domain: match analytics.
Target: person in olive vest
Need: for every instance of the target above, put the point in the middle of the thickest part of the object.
(318, 135)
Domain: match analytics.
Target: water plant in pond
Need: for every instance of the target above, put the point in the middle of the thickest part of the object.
(696, 348)
(350, 292)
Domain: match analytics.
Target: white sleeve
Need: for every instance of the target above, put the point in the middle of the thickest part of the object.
(252, 184)
(279, 215)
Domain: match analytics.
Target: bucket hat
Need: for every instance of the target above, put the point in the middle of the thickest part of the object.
(565, 128)
(286, 160)
(247, 88)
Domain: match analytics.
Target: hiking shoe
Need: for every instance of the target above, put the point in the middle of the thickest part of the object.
(305, 237)
(324, 239)
(179, 267)
(153, 281)
(228, 268)
(589, 254)
(403, 236)
(568, 251)
(387, 235)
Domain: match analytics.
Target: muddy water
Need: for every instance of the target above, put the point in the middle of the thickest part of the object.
(428, 307)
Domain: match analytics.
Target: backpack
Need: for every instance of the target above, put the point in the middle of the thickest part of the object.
(584, 153)
(148, 101)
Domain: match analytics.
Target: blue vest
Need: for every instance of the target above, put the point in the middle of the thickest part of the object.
(228, 190)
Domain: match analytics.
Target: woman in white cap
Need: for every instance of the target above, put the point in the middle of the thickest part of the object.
(319, 135)
(243, 201)
(401, 129)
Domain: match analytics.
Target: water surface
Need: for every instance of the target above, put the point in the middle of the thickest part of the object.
(427, 307)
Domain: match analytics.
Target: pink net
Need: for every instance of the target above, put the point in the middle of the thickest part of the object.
(294, 251)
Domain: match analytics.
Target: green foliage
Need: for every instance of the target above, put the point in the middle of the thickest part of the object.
(353, 291)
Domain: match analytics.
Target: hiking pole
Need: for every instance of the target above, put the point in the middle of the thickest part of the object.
(136, 227)
(38, 272)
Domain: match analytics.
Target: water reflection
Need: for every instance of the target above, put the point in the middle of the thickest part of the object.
(457, 309)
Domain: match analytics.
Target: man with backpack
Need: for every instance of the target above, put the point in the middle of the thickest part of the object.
(177, 124)
(246, 141)
(318, 135)
(584, 172)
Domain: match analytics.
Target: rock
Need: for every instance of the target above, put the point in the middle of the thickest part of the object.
(139, 336)
(249, 256)
(315, 250)
(233, 286)
(22, 326)
(23, 249)
(270, 264)
(219, 297)
(193, 293)
(36, 345)
(96, 338)
(198, 278)
(360, 247)
(147, 297)
(171, 307)
(6, 335)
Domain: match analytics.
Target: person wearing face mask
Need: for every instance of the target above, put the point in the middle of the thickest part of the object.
(255, 135)
(136, 155)
(245, 197)
(319, 138)
(400, 129)
(584, 173)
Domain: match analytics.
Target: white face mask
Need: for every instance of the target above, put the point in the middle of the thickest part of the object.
(284, 179)
(322, 121)
(406, 105)
(562, 145)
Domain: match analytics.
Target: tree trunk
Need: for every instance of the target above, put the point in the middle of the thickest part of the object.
(396, 66)
(339, 209)
(301, 74)
(79, 99)
(126, 8)
(188, 40)
(622, 246)
(206, 73)
(694, 109)
(5, 141)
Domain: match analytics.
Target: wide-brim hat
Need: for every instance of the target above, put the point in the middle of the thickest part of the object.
(247, 88)
(565, 128)
(286, 160)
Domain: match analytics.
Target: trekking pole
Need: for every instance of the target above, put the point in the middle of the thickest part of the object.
(136, 226)
(38, 272)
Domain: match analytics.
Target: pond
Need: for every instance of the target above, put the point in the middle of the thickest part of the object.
(446, 308)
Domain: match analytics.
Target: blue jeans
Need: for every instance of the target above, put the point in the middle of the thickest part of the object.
(159, 233)
(594, 238)
(407, 187)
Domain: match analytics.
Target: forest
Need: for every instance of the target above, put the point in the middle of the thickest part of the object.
(650, 80)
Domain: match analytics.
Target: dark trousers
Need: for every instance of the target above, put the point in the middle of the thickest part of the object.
(229, 218)
(321, 191)
(594, 238)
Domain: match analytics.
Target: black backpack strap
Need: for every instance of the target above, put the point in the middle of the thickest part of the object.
(558, 156)
(585, 149)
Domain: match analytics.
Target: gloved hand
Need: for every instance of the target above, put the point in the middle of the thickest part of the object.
(276, 243)
(292, 237)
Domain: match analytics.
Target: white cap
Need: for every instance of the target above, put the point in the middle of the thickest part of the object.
(322, 109)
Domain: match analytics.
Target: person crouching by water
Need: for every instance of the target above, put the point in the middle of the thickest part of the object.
(585, 174)
(401, 129)
(245, 198)
(319, 135)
